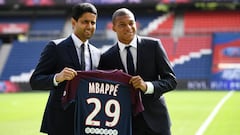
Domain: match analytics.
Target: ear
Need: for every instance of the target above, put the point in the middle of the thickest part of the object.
(113, 28)
(73, 21)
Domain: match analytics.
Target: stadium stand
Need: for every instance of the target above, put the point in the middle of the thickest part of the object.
(187, 52)
(177, 1)
(169, 46)
(211, 21)
(161, 24)
(46, 27)
(195, 68)
(102, 22)
(15, 19)
(191, 44)
(188, 36)
(165, 26)
(145, 19)
(22, 59)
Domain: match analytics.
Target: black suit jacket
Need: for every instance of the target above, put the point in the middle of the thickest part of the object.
(152, 65)
(57, 55)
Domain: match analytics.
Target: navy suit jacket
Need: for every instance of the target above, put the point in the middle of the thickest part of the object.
(57, 55)
(152, 65)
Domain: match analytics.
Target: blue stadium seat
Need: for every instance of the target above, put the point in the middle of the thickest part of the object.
(22, 58)
(196, 68)
(47, 23)
(13, 19)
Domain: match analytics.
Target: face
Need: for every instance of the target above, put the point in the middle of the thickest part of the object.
(125, 28)
(85, 26)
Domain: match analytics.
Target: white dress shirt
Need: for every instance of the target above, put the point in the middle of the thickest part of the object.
(77, 43)
(133, 49)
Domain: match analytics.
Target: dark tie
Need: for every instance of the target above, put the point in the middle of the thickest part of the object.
(130, 65)
(82, 58)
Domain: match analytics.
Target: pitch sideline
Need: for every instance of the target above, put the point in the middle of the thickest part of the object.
(204, 126)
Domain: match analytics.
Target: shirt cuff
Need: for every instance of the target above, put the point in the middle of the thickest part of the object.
(55, 83)
(150, 88)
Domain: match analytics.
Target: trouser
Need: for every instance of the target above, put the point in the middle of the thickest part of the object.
(140, 127)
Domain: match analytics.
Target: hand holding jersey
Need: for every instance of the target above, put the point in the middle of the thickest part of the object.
(138, 83)
(65, 74)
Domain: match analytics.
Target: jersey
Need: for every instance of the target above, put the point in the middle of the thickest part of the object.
(104, 102)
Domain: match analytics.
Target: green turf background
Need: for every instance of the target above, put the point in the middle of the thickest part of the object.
(21, 113)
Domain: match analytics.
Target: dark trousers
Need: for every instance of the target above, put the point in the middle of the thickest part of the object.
(140, 127)
(61, 121)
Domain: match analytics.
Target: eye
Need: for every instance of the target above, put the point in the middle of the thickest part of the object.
(122, 25)
(131, 23)
(93, 23)
(84, 22)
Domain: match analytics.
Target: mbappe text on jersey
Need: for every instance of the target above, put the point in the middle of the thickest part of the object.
(103, 88)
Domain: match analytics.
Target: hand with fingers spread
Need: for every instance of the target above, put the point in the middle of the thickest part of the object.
(66, 74)
(138, 83)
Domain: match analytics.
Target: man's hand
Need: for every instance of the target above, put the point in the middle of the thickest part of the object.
(138, 83)
(66, 74)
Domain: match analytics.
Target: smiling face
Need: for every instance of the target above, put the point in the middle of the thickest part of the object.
(85, 26)
(125, 28)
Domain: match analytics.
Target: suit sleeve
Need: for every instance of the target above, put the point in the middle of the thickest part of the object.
(167, 79)
(42, 77)
(107, 62)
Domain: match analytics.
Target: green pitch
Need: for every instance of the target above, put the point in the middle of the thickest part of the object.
(190, 109)
(21, 113)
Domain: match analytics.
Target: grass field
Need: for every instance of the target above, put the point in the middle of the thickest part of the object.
(192, 112)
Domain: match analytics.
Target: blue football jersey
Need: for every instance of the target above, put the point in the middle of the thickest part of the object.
(104, 102)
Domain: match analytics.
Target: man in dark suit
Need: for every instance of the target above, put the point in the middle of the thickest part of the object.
(152, 73)
(59, 62)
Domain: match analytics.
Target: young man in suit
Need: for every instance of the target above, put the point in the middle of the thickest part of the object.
(152, 73)
(59, 63)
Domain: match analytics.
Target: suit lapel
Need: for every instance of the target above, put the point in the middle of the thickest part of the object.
(72, 52)
(91, 55)
(116, 56)
(140, 52)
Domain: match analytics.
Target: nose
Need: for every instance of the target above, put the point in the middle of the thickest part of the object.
(129, 27)
(89, 25)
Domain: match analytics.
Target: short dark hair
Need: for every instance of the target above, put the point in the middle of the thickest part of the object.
(81, 8)
(122, 12)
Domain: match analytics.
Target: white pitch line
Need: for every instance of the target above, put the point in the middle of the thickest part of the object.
(204, 126)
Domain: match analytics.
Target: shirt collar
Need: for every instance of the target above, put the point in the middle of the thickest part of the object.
(77, 42)
(133, 43)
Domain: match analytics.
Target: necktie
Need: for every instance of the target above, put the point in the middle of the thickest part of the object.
(82, 58)
(130, 65)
